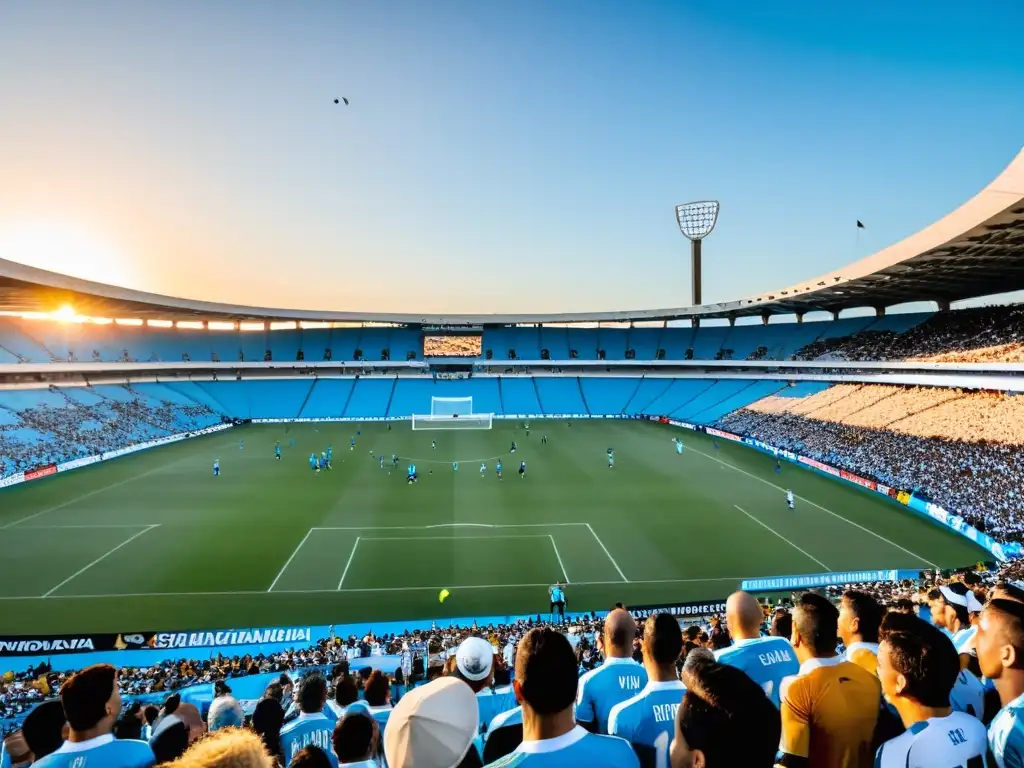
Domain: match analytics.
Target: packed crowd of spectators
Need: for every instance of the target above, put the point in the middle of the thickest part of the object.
(962, 450)
(738, 689)
(36, 436)
(984, 334)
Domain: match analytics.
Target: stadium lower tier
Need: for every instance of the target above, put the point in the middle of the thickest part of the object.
(44, 426)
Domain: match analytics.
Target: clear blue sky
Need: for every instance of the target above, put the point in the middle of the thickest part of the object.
(496, 156)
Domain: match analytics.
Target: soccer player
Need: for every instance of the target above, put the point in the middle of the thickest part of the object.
(522, 469)
(679, 447)
(216, 467)
(557, 595)
(483, 468)
(611, 459)
(499, 469)
(312, 726)
(394, 460)
(92, 703)
(778, 467)
(313, 464)
(277, 450)
(330, 453)
(241, 445)
(766, 660)
(513, 449)
(648, 719)
(1000, 648)
(352, 443)
(433, 445)
(382, 462)
(455, 466)
(917, 666)
(829, 710)
(789, 499)
(543, 439)
(618, 679)
(412, 473)
(545, 683)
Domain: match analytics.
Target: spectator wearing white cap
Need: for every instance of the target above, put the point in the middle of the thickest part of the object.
(950, 606)
(433, 726)
(474, 664)
(617, 679)
(545, 685)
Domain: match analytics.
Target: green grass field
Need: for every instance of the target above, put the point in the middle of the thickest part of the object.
(152, 541)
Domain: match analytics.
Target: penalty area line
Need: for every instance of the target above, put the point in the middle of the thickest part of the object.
(560, 563)
(102, 557)
(609, 554)
(289, 560)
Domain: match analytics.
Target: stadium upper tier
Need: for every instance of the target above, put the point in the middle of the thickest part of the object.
(985, 335)
(977, 250)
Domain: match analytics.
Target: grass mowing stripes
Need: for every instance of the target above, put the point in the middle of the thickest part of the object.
(670, 525)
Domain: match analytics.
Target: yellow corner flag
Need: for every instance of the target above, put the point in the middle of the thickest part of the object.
(444, 594)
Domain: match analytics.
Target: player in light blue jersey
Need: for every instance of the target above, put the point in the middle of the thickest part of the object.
(647, 720)
(724, 720)
(277, 450)
(999, 644)
(499, 469)
(92, 704)
(455, 466)
(618, 679)
(330, 454)
(313, 464)
(917, 667)
(679, 446)
(765, 660)
(312, 726)
(216, 467)
(545, 684)
(411, 477)
(352, 443)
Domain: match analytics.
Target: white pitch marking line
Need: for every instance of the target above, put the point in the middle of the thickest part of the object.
(11, 598)
(441, 525)
(609, 554)
(351, 555)
(80, 571)
(772, 530)
(69, 502)
(818, 506)
(499, 537)
(289, 560)
(560, 563)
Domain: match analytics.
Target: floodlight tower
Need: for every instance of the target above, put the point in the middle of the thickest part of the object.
(696, 221)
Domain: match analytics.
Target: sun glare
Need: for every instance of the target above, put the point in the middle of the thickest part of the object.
(64, 248)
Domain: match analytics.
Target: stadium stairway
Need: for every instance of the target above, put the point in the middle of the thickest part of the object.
(559, 394)
(608, 396)
(328, 398)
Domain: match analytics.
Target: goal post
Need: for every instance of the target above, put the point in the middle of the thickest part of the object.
(452, 413)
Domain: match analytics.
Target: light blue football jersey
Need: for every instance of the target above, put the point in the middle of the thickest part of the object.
(647, 721)
(1006, 735)
(316, 729)
(968, 695)
(101, 752)
(964, 636)
(766, 660)
(955, 740)
(492, 703)
(508, 717)
(578, 747)
(601, 689)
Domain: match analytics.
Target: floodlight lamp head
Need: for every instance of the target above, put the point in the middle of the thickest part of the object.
(696, 220)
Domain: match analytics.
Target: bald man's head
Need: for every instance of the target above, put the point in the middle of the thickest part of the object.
(744, 615)
(619, 632)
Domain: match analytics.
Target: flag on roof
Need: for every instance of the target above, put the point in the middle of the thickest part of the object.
(860, 224)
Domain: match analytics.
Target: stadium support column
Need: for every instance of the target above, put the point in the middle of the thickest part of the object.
(943, 305)
(799, 318)
(879, 311)
(695, 270)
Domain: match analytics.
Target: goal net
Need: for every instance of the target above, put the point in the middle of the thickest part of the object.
(452, 413)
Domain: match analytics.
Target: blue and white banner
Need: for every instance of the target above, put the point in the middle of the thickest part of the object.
(811, 580)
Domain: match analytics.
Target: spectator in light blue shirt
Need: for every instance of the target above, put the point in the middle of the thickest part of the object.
(766, 660)
(92, 704)
(312, 726)
(617, 679)
(1000, 646)
(545, 684)
(648, 719)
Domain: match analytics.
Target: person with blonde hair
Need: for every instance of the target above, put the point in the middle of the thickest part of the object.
(227, 748)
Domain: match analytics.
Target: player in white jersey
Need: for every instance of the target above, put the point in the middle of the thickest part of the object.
(999, 643)
(433, 445)
(483, 469)
(917, 666)
(790, 499)
(647, 720)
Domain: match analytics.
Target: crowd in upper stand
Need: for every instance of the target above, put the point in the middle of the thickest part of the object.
(986, 334)
(924, 673)
(964, 450)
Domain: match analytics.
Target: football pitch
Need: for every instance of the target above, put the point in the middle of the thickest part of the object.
(154, 542)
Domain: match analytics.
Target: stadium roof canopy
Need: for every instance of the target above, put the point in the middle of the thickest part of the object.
(977, 250)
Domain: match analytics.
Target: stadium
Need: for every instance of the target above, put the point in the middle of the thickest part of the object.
(236, 528)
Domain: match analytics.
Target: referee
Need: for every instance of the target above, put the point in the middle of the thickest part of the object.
(557, 594)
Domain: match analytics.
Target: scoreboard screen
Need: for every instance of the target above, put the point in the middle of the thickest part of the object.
(460, 345)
